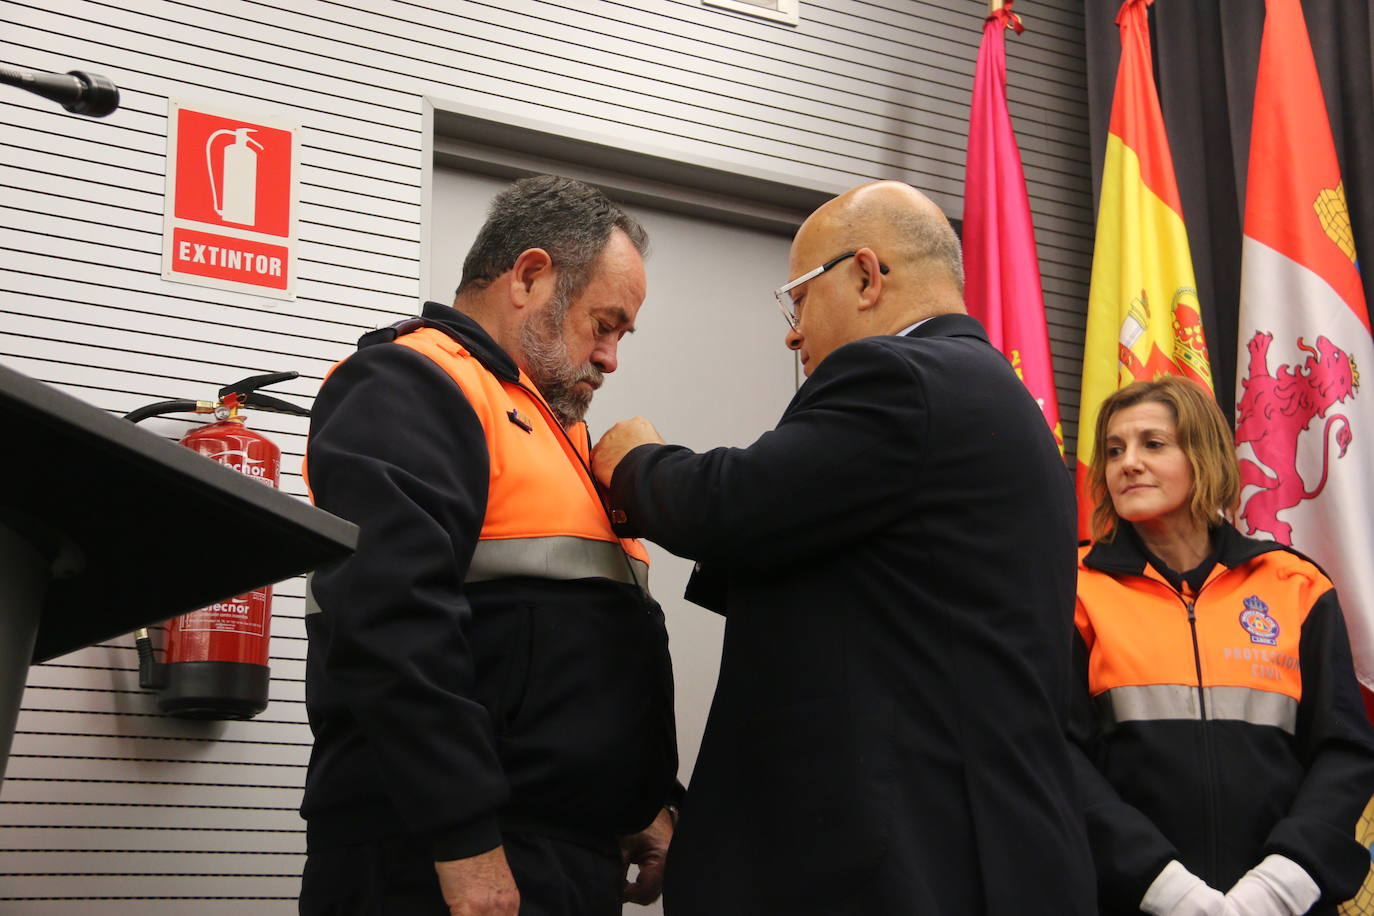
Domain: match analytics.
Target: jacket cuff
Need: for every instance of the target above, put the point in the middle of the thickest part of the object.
(1333, 858)
(473, 838)
(624, 482)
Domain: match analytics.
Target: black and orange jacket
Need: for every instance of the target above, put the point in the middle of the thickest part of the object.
(489, 658)
(1218, 724)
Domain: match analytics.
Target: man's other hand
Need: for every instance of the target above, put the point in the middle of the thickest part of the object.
(648, 849)
(617, 443)
(480, 885)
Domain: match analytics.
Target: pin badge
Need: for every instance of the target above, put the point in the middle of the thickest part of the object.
(519, 420)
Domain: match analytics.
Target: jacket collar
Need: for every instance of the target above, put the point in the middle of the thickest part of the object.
(950, 325)
(462, 328)
(1126, 554)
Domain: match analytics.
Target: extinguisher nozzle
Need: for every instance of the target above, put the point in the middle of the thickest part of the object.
(152, 674)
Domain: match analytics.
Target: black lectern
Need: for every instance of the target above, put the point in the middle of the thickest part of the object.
(105, 527)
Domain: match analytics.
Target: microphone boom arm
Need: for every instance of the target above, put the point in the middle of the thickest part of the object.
(78, 92)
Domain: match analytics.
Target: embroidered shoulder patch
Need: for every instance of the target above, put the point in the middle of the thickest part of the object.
(1262, 628)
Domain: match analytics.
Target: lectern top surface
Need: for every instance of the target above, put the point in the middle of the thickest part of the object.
(156, 529)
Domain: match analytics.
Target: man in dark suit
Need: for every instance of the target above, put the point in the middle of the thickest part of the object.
(896, 563)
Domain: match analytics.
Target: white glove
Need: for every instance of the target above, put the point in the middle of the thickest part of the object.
(1178, 892)
(1278, 886)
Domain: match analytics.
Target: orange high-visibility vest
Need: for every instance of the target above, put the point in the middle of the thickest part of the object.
(1239, 655)
(544, 518)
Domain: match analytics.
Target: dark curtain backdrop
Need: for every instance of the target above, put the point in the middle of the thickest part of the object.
(1206, 53)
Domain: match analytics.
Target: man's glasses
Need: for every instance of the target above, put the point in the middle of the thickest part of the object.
(783, 293)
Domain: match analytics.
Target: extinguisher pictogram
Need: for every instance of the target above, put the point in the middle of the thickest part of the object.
(216, 657)
(235, 196)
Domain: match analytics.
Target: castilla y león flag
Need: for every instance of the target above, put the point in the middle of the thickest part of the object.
(1304, 432)
(1143, 314)
(1001, 271)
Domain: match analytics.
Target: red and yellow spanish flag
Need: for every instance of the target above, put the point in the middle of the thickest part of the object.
(1143, 315)
(1001, 270)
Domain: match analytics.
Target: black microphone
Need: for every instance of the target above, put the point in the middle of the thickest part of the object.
(78, 92)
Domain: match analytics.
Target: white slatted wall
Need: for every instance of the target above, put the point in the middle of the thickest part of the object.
(108, 808)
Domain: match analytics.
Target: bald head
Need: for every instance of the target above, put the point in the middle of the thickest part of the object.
(908, 232)
(903, 265)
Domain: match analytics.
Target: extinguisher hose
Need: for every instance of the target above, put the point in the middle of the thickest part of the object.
(158, 409)
(151, 674)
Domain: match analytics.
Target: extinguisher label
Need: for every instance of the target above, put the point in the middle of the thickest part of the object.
(239, 459)
(231, 202)
(244, 614)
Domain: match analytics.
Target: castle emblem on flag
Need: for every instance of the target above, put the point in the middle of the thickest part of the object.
(1334, 216)
(1273, 411)
(1189, 343)
(1262, 628)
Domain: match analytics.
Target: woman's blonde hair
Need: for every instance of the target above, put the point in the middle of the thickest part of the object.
(1204, 436)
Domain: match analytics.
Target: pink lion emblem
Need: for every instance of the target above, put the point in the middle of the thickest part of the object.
(1273, 411)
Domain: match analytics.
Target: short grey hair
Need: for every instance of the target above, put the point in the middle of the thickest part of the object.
(921, 237)
(934, 240)
(569, 219)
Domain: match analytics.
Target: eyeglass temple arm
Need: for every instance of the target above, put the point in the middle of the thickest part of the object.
(809, 275)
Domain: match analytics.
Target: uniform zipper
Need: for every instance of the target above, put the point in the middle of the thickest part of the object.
(1208, 752)
(1208, 763)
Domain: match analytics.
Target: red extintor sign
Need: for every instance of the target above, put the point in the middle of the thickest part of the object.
(230, 219)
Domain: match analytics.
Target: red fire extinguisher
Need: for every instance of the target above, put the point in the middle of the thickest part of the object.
(215, 664)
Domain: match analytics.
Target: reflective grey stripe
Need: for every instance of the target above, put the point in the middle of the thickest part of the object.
(559, 557)
(543, 558)
(1258, 707)
(311, 605)
(1178, 701)
(1152, 701)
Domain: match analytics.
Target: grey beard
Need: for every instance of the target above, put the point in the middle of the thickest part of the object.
(546, 357)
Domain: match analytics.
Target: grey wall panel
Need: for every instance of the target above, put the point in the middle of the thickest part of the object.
(48, 809)
(96, 326)
(107, 702)
(184, 319)
(150, 906)
(211, 879)
(40, 791)
(109, 780)
(210, 750)
(350, 312)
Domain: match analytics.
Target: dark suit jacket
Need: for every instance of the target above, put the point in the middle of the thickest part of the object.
(896, 561)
